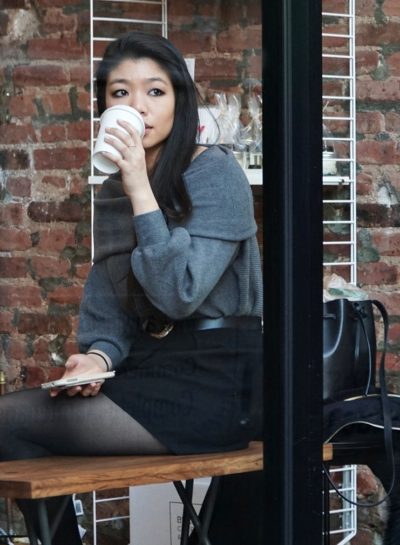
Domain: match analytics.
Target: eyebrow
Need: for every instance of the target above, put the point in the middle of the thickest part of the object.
(126, 82)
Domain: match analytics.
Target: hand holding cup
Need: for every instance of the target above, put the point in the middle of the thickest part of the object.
(109, 120)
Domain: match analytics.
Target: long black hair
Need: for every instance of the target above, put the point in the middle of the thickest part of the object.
(166, 178)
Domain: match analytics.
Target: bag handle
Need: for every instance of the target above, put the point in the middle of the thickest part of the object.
(386, 410)
(371, 367)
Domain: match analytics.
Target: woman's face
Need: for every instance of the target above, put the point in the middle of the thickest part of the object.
(144, 85)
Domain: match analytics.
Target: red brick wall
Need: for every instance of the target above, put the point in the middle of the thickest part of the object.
(378, 157)
(44, 210)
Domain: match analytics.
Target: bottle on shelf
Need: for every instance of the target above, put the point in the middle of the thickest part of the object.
(2, 383)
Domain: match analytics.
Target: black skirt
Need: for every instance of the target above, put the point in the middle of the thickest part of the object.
(197, 391)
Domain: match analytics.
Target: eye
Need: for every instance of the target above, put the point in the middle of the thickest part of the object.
(119, 93)
(156, 92)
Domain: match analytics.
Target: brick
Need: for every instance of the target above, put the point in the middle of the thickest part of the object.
(20, 297)
(17, 349)
(373, 91)
(79, 185)
(44, 267)
(12, 214)
(83, 101)
(60, 158)
(22, 106)
(180, 8)
(14, 159)
(376, 215)
(80, 74)
(55, 21)
(392, 362)
(391, 8)
(394, 336)
(53, 133)
(379, 153)
(82, 270)
(367, 61)
(370, 122)
(40, 324)
(44, 212)
(376, 273)
(392, 122)
(19, 186)
(236, 38)
(55, 240)
(14, 4)
(80, 130)
(55, 49)
(192, 41)
(33, 377)
(393, 62)
(216, 68)
(387, 242)
(55, 181)
(254, 63)
(391, 299)
(40, 75)
(365, 8)
(70, 295)
(373, 34)
(13, 267)
(58, 3)
(57, 104)
(6, 321)
(232, 12)
(14, 239)
(17, 134)
(364, 183)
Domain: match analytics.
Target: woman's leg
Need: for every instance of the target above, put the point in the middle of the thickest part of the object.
(33, 425)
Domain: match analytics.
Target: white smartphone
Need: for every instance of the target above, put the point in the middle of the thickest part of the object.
(77, 381)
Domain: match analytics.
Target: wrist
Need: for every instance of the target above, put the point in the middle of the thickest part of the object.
(101, 358)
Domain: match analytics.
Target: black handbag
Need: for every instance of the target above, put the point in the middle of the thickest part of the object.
(349, 341)
(349, 364)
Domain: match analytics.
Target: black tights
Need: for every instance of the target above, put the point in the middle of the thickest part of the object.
(33, 425)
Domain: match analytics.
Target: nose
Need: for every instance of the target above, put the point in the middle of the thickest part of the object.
(137, 101)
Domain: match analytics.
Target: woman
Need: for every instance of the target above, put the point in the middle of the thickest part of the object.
(174, 298)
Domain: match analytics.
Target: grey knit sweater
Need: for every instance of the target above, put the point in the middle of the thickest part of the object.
(208, 265)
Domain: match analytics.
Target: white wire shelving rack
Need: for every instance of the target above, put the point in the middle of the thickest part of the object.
(339, 118)
(339, 202)
(342, 513)
(105, 26)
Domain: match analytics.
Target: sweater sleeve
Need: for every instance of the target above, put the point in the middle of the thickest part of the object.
(179, 265)
(103, 323)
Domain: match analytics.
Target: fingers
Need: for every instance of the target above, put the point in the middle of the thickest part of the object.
(128, 137)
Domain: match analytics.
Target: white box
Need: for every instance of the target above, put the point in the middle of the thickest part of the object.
(156, 512)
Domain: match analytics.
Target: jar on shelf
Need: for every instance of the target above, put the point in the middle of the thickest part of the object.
(329, 166)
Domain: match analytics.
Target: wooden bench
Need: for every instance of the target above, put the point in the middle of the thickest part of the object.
(64, 475)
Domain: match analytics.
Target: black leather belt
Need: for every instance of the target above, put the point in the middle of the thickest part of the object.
(162, 329)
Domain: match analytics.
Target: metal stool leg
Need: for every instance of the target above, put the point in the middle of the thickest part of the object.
(208, 504)
(185, 516)
(30, 530)
(44, 523)
(203, 538)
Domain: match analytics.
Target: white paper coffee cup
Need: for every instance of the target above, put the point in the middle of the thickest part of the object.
(109, 120)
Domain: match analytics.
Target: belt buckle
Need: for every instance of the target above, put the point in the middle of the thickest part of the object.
(164, 332)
